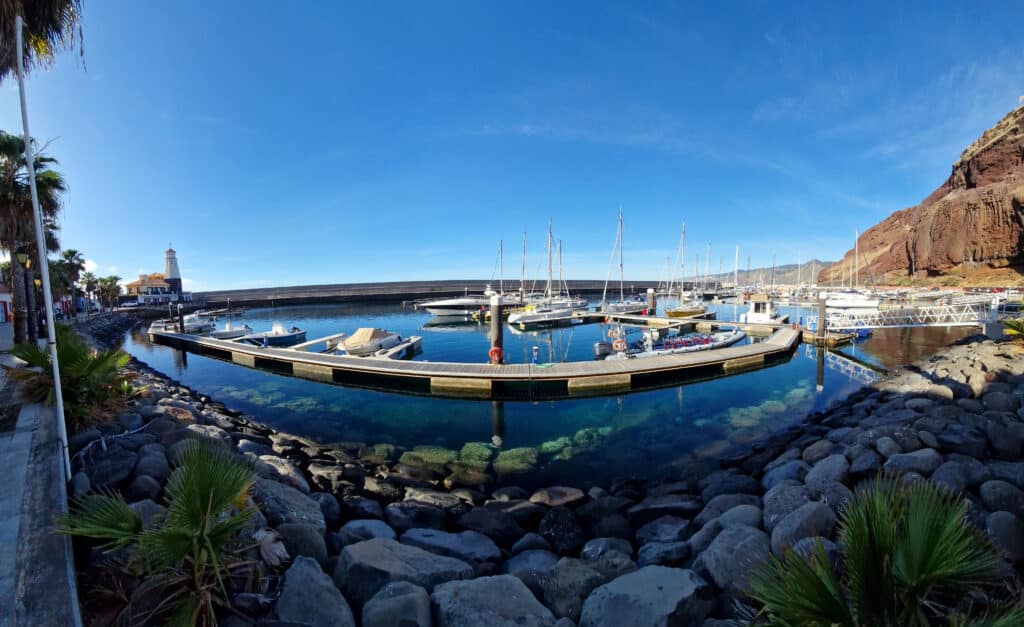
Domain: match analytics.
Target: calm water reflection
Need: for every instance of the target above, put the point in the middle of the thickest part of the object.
(580, 440)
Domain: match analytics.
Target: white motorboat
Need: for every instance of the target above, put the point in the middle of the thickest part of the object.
(276, 336)
(230, 332)
(762, 311)
(194, 325)
(544, 315)
(654, 344)
(368, 340)
(850, 299)
(466, 306)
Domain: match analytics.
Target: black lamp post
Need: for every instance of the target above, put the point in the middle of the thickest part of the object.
(25, 261)
(41, 319)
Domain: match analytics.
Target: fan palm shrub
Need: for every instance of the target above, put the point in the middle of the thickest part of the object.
(93, 383)
(178, 568)
(1014, 329)
(910, 557)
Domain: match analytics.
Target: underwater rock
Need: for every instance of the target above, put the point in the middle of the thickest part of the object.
(432, 458)
(516, 461)
(552, 447)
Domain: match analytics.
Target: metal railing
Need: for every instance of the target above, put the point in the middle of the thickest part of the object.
(954, 315)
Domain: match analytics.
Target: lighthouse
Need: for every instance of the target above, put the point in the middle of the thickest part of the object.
(171, 273)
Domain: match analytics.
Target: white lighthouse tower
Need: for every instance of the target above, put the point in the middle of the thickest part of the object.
(171, 272)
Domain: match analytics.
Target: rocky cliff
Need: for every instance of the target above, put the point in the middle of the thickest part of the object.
(970, 230)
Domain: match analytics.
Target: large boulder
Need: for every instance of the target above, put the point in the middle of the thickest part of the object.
(727, 483)
(654, 507)
(826, 472)
(732, 556)
(664, 529)
(284, 504)
(811, 519)
(924, 462)
(998, 495)
(364, 529)
(567, 584)
(500, 601)
(1006, 533)
(471, 547)
(365, 567)
(532, 566)
(400, 604)
(600, 547)
(112, 468)
(663, 553)
(283, 471)
(654, 595)
(795, 470)
(781, 500)
(309, 597)
(496, 525)
(722, 503)
(407, 515)
(562, 531)
(304, 540)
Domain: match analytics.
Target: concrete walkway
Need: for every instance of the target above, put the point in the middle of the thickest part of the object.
(37, 573)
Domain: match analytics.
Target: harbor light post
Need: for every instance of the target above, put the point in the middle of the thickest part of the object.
(44, 269)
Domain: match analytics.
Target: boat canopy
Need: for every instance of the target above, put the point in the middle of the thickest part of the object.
(364, 335)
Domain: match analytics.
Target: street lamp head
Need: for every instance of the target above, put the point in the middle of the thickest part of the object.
(21, 255)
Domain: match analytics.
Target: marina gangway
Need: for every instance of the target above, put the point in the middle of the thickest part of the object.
(844, 365)
(968, 314)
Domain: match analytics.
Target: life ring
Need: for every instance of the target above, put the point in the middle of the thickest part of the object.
(619, 345)
(613, 333)
(495, 354)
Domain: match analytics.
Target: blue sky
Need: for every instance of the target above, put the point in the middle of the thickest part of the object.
(292, 143)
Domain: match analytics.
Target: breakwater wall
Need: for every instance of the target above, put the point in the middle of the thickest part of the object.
(388, 292)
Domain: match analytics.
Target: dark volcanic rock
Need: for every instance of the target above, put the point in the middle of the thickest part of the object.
(562, 531)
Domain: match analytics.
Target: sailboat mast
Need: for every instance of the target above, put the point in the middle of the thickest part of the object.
(736, 269)
(856, 255)
(501, 267)
(561, 276)
(707, 268)
(547, 288)
(622, 273)
(682, 256)
(522, 277)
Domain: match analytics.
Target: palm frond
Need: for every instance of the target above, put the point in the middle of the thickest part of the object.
(796, 591)
(868, 535)
(1006, 617)
(206, 485)
(103, 516)
(936, 519)
(1014, 328)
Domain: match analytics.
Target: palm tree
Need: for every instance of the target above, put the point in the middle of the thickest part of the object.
(17, 228)
(109, 289)
(186, 558)
(50, 25)
(74, 265)
(910, 557)
(87, 281)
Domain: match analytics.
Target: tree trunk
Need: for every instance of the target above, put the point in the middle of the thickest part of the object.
(33, 311)
(18, 302)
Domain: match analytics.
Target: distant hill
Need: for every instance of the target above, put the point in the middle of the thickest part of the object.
(969, 231)
(784, 274)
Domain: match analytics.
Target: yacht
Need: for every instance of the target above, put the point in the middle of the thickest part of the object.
(194, 325)
(462, 306)
(850, 299)
(554, 308)
(631, 305)
(762, 311)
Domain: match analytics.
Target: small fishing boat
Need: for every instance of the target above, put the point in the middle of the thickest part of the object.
(194, 325)
(368, 340)
(850, 299)
(277, 336)
(230, 332)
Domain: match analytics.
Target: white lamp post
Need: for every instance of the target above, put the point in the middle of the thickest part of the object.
(44, 267)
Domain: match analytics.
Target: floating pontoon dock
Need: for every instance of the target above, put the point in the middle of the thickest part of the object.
(484, 381)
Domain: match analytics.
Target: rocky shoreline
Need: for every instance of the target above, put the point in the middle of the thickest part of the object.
(370, 544)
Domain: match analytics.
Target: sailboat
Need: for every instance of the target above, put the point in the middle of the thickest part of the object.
(468, 305)
(555, 308)
(687, 307)
(633, 305)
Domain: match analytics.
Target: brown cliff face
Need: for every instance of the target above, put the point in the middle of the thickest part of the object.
(970, 230)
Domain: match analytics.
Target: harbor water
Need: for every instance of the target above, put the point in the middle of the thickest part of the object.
(576, 441)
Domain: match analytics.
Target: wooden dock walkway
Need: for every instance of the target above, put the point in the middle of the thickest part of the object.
(484, 381)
